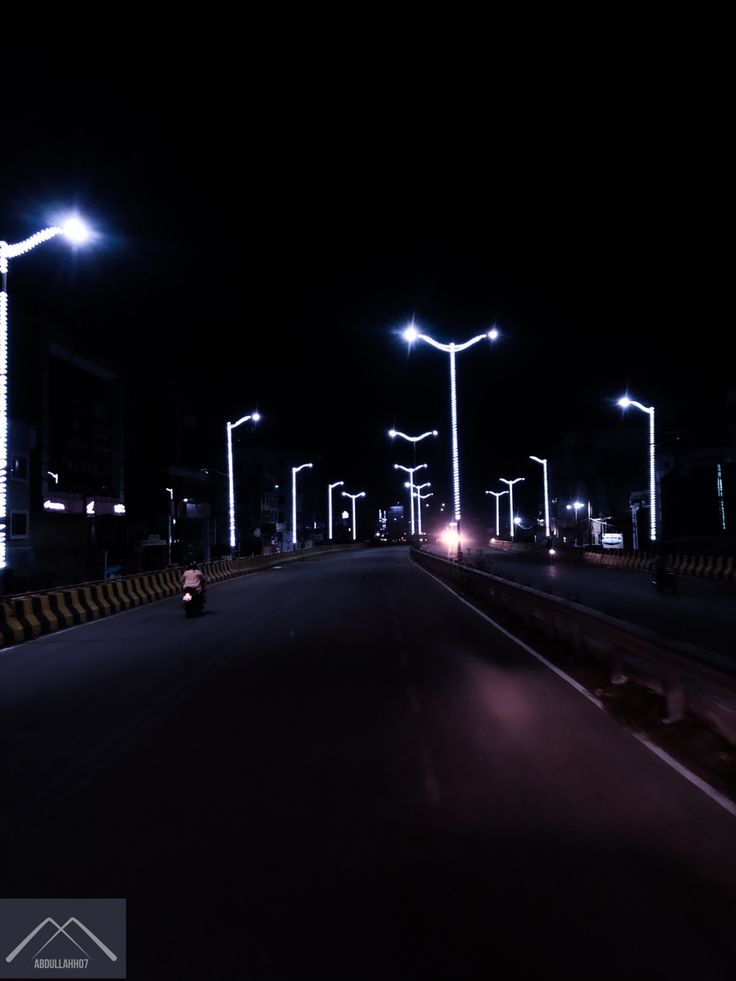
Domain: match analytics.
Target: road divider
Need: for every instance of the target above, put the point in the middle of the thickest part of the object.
(30, 615)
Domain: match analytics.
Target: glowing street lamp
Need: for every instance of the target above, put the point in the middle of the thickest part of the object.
(330, 488)
(421, 497)
(393, 433)
(411, 471)
(294, 472)
(576, 505)
(411, 334)
(511, 499)
(625, 402)
(170, 491)
(231, 481)
(353, 498)
(546, 494)
(497, 494)
(76, 232)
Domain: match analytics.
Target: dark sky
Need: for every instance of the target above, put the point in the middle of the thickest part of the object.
(275, 201)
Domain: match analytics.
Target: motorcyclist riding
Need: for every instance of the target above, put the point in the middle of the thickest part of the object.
(193, 578)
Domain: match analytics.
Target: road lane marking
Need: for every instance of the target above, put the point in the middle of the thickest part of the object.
(696, 781)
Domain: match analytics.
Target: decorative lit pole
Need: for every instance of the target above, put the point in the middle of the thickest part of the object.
(625, 402)
(393, 433)
(77, 233)
(330, 488)
(229, 429)
(421, 497)
(294, 472)
(411, 471)
(497, 494)
(353, 498)
(171, 515)
(511, 499)
(546, 494)
(411, 334)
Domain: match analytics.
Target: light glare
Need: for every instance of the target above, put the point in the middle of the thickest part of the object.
(76, 230)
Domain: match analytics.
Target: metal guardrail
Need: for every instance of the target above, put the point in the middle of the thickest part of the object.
(690, 678)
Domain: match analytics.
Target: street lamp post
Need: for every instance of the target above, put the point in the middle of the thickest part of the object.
(411, 471)
(77, 233)
(330, 488)
(625, 402)
(546, 494)
(353, 498)
(294, 472)
(511, 499)
(421, 497)
(411, 334)
(170, 491)
(393, 433)
(497, 494)
(231, 481)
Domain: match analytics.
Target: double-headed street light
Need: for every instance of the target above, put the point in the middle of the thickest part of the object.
(231, 480)
(411, 471)
(421, 497)
(393, 433)
(77, 233)
(511, 499)
(497, 494)
(330, 488)
(411, 334)
(294, 472)
(546, 494)
(625, 402)
(353, 497)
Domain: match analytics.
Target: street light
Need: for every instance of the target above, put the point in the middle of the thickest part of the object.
(511, 499)
(411, 471)
(411, 334)
(420, 498)
(393, 433)
(229, 429)
(353, 497)
(576, 505)
(330, 488)
(77, 233)
(294, 472)
(170, 491)
(546, 494)
(625, 402)
(497, 494)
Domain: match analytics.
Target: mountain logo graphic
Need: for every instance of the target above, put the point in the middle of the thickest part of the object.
(59, 931)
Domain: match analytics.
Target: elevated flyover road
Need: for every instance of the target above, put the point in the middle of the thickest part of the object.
(342, 771)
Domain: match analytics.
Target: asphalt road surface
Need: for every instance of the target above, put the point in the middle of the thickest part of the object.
(341, 771)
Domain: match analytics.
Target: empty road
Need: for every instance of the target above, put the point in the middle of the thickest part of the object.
(341, 771)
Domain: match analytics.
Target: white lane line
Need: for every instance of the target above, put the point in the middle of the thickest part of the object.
(696, 781)
(691, 777)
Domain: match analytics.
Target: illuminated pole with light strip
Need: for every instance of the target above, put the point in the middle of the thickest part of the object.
(497, 494)
(421, 497)
(170, 491)
(294, 472)
(625, 402)
(330, 488)
(411, 471)
(353, 497)
(77, 232)
(231, 480)
(511, 499)
(411, 334)
(546, 494)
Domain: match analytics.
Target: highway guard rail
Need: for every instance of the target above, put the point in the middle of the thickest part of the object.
(689, 678)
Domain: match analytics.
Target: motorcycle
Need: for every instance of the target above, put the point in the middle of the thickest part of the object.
(193, 601)
(665, 579)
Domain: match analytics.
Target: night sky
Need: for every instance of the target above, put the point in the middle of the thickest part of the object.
(275, 201)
